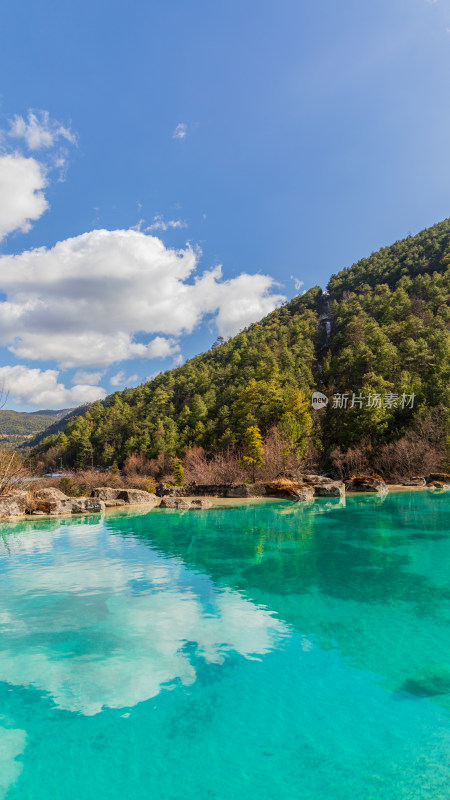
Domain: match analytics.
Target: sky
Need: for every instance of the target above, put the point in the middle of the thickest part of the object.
(172, 171)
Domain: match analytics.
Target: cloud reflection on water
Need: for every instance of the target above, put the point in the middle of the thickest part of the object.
(101, 629)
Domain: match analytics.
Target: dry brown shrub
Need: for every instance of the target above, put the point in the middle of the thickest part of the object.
(410, 456)
(136, 464)
(355, 461)
(222, 467)
(13, 473)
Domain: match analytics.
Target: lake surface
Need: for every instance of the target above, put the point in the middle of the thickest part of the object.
(261, 652)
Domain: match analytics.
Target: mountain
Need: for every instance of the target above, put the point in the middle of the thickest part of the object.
(377, 339)
(57, 425)
(17, 427)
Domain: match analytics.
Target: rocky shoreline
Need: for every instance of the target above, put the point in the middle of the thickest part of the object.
(53, 502)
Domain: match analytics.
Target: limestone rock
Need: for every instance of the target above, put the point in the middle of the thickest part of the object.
(441, 486)
(330, 489)
(137, 497)
(166, 490)
(117, 497)
(13, 505)
(282, 487)
(441, 477)
(52, 501)
(366, 483)
(106, 493)
(87, 505)
(175, 502)
(414, 482)
(201, 503)
(246, 490)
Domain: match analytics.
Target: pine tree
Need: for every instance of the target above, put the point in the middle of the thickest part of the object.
(254, 450)
(178, 471)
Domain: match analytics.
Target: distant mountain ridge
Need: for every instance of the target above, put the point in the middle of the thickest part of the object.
(17, 427)
(381, 329)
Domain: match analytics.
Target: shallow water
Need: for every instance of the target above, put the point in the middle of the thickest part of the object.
(266, 651)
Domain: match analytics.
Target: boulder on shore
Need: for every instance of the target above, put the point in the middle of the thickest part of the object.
(330, 489)
(246, 490)
(52, 501)
(442, 486)
(201, 503)
(366, 483)
(166, 490)
(175, 502)
(440, 477)
(13, 505)
(293, 490)
(87, 505)
(114, 497)
(323, 486)
(414, 482)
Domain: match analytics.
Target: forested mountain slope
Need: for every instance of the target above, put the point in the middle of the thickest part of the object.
(380, 330)
(19, 426)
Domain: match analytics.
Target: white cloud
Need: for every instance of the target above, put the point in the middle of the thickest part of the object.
(88, 378)
(39, 131)
(120, 380)
(117, 379)
(82, 302)
(12, 746)
(22, 201)
(40, 388)
(297, 283)
(180, 131)
(24, 179)
(159, 224)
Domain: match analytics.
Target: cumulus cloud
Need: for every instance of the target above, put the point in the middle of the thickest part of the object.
(92, 299)
(40, 388)
(87, 378)
(180, 131)
(23, 179)
(117, 379)
(22, 200)
(39, 130)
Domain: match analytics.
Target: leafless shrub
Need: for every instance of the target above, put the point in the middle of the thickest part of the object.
(12, 471)
(355, 461)
(222, 467)
(136, 464)
(409, 456)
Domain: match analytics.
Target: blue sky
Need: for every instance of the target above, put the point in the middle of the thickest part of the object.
(143, 147)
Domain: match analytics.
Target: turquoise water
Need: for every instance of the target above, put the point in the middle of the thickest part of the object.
(261, 652)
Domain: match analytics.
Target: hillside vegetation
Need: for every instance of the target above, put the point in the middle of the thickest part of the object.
(19, 426)
(380, 332)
